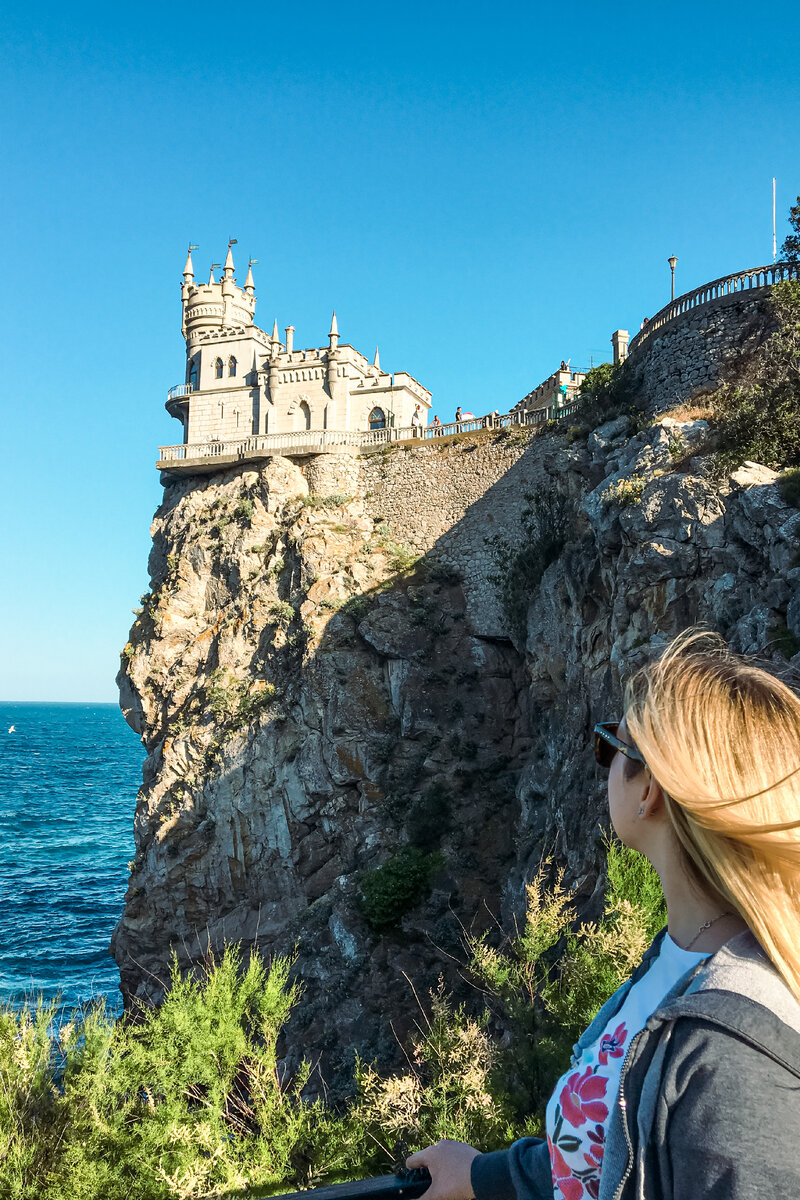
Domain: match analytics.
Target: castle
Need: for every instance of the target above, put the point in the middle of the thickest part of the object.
(241, 381)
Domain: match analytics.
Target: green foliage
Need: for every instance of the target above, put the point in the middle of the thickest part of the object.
(550, 981)
(244, 510)
(546, 526)
(784, 641)
(391, 890)
(448, 1091)
(789, 486)
(281, 613)
(332, 500)
(758, 414)
(625, 491)
(184, 1102)
(234, 702)
(790, 250)
(605, 392)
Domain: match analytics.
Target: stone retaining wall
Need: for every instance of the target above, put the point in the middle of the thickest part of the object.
(691, 353)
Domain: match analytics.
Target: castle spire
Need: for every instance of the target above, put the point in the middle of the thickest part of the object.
(275, 334)
(333, 336)
(376, 362)
(188, 270)
(229, 268)
(249, 283)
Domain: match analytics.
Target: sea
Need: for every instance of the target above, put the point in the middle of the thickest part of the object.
(69, 774)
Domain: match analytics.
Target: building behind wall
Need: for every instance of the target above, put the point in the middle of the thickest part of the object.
(242, 381)
(558, 389)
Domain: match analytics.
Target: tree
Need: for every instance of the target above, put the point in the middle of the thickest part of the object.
(790, 250)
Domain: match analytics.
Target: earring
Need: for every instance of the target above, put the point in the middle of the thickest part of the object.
(641, 812)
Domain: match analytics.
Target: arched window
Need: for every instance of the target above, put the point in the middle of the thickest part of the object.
(193, 375)
(377, 419)
(231, 365)
(218, 368)
(305, 416)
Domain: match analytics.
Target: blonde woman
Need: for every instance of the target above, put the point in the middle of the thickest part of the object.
(686, 1086)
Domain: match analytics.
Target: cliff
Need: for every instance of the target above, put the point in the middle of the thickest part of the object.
(361, 736)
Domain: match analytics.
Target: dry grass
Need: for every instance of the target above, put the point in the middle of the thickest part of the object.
(699, 410)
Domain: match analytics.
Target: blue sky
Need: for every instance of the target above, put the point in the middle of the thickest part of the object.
(480, 190)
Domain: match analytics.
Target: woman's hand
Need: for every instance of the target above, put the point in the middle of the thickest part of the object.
(449, 1164)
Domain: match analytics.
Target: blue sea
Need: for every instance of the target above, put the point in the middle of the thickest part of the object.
(69, 774)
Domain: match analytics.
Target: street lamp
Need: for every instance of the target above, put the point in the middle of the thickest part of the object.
(672, 260)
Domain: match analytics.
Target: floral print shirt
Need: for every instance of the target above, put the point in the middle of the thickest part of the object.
(579, 1108)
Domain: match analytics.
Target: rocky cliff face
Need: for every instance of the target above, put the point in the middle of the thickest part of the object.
(347, 750)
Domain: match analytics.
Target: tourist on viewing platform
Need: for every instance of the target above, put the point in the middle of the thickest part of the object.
(437, 427)
(416, 422)
(458, 415)
(687, 1083)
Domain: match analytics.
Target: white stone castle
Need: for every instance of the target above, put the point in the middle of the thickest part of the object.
(241, 381)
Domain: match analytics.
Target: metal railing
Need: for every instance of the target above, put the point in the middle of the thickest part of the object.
(321, 441)
(707, 293)
(180, 389)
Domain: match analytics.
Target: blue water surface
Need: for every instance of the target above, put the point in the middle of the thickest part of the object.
(69, 774)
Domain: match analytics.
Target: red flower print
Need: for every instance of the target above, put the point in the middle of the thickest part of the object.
(580, 1098)
(570, 1187)
(593, 1188)
(612, 1044)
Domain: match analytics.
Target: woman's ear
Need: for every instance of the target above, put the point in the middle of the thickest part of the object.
(651, 802)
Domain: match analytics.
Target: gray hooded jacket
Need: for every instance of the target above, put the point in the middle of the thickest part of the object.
(709, 1097)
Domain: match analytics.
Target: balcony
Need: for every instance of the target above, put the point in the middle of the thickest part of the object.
(180, 390)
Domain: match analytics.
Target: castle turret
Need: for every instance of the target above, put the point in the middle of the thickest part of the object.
(336, 378)
(249, 283)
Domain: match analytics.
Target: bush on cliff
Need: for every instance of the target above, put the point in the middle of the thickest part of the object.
(758, 413)
(187, 1101)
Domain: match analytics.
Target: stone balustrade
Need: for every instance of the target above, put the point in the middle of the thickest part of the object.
(216, 453)
(709, 293)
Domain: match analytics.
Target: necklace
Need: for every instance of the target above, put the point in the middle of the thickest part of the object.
(707, 925)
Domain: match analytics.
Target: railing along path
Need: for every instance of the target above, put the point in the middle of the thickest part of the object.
(707, 293)
(320, 441)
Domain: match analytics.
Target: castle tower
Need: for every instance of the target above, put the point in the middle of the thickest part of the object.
(241, 381)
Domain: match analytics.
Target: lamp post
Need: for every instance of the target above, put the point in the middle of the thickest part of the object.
(672, 260)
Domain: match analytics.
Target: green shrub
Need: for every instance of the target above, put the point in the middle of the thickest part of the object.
(789, 486)
(605, 392)
(758, 413)
(281, 613)
(182, 1103)
(244, 510)
(550, 980)
(784, 641)
(391, 890)
(332, 500)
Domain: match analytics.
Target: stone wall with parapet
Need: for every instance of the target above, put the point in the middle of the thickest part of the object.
(444, 499)
(691, 353)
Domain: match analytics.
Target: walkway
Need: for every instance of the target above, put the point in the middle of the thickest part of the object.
(215, 454)
(756, 278)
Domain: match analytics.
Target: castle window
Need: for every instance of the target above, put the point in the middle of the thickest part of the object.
(377, 419)
(218, 368)
(193, 375)
(231, 365)
(305, 416)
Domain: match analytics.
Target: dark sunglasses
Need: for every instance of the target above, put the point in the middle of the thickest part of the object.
(606, 745)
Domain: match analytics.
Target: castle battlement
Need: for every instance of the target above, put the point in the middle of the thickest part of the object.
(241, 381)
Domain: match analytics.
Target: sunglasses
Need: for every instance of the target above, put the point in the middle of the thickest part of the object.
(606, 745)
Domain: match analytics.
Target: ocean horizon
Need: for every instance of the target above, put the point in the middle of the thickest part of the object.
(69, 776)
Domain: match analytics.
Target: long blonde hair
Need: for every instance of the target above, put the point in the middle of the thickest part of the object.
(722, 737)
